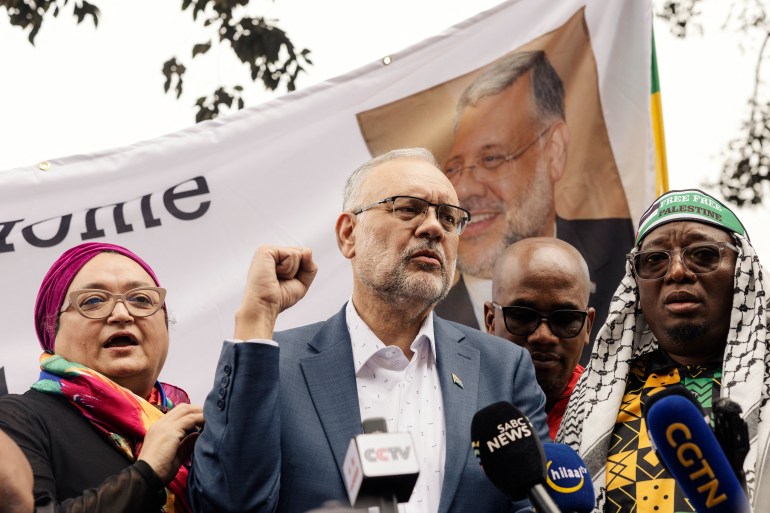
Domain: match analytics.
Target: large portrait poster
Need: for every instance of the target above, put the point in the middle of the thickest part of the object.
(525, 142)
(195, 204)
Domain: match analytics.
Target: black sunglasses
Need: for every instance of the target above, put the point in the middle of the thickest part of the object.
(523, 321)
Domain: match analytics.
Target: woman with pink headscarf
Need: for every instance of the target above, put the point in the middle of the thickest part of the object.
(99, 430)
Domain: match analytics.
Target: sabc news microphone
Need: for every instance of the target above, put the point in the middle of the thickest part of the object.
(684, 441)
(380, 468)
(732, 432)
(511, 454)
(567, 479)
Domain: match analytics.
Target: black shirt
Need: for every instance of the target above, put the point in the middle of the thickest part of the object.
(74, 466)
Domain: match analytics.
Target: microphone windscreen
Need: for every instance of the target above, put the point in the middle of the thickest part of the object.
(374, 425)
(567, 479)
(684, 441)
(508, 449)
(727, 406)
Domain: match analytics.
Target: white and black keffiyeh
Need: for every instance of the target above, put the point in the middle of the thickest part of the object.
(593, 409)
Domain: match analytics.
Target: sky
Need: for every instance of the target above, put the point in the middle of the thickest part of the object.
(81, 89)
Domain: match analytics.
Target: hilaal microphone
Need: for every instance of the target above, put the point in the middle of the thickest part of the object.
(685, 443)
(567, 479)
(380, 468)
(511, 454)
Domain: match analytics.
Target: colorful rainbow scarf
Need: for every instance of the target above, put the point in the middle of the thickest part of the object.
(117, 413)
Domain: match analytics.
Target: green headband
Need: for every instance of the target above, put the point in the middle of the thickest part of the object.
(688, 205)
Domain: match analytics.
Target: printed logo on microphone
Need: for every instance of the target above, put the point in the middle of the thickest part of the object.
(507, 432)
(387, 454)
(565, 479)
(691, 457)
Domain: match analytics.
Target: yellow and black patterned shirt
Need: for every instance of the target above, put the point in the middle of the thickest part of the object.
(636, 479)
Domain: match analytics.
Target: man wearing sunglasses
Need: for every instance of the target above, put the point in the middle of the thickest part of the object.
(509, 151)
(540, 290)
(691, 311)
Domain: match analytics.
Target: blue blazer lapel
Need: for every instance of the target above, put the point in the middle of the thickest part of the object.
(460, 402)
(331, 381)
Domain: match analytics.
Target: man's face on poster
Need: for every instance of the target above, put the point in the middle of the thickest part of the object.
(514, 200)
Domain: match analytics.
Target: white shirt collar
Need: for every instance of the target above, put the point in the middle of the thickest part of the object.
(366, 344)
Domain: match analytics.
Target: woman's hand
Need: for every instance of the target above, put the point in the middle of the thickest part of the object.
(170, 440)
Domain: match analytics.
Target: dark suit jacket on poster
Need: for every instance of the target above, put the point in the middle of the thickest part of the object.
(276, 440)
(603, 243)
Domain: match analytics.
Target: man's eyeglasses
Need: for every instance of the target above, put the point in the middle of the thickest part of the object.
(697, 259)
(523, 321)
(407, 208)
(489, 165)
(99, 304)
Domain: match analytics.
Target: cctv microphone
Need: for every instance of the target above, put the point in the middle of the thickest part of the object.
(511, 454)
(380, 468)
(732, 432)
(685, 443)
(567, 479)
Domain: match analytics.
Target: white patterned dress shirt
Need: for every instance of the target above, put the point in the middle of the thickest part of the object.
(407, 395)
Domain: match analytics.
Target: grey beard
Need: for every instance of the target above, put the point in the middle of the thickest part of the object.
(400, 288)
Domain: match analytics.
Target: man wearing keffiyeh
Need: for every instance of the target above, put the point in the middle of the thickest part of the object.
(691, 310)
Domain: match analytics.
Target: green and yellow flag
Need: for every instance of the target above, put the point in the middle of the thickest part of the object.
(659, 136)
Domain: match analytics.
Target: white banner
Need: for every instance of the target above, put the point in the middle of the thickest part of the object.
(195, 204)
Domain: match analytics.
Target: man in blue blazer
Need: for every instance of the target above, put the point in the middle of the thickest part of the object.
(284, 406)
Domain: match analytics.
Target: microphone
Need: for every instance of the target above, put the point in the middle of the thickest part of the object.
(567, 479)
(511, 454)
(380, 468)
(685, 443)
(732, 432)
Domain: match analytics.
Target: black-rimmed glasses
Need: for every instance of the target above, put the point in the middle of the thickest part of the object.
(489, 163)
(99, 304)
(702, 258)
(407, 208)
(523, 321)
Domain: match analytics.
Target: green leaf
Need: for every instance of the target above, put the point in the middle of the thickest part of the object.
(168, 71)
(33, 33)
(200, 6)
(86, 9)
(201, 48)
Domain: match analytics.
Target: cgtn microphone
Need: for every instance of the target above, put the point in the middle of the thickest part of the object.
(511, 454)
(684, 441)
(380, 468)
(567, 479)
